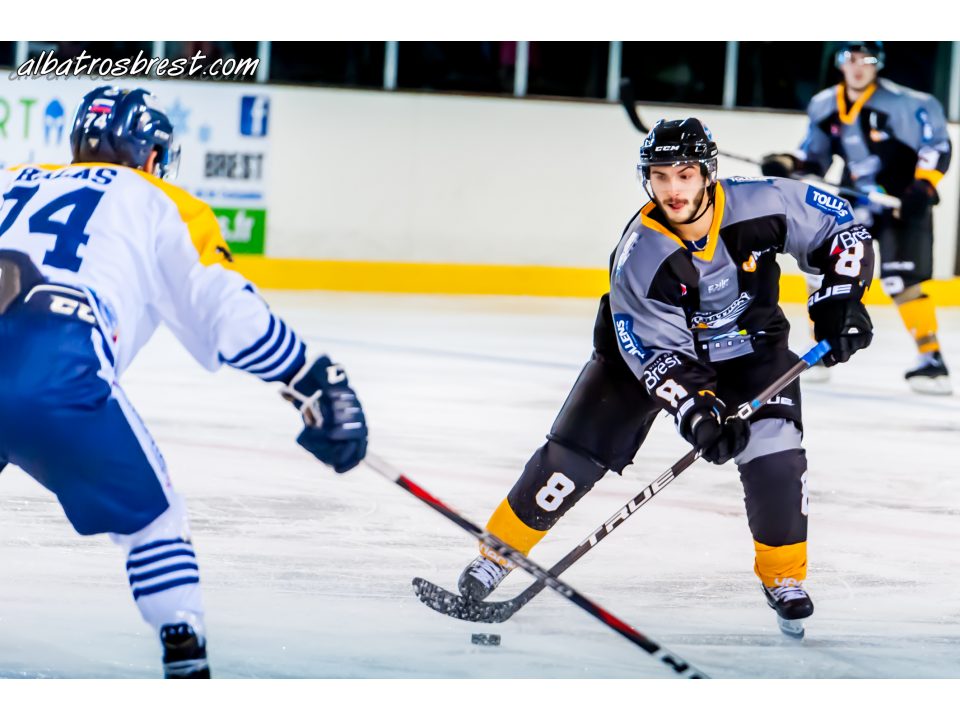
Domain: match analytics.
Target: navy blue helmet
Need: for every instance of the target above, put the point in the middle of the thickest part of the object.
(872, 50)
(113, 125)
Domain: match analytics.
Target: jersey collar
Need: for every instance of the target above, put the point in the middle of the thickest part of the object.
(712, 235)
(849, 116)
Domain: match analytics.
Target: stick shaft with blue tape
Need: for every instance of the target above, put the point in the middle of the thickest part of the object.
(495, 612)
(809, 359)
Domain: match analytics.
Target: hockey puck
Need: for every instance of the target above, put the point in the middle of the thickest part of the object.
(485, 640)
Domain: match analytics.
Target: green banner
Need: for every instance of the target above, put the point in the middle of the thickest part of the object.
(243, 229)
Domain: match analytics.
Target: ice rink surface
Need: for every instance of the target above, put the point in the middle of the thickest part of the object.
(307, 574)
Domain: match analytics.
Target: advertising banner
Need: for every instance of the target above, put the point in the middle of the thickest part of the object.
(223, 129)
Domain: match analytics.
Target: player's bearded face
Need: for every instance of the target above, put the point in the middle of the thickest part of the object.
(679, 191)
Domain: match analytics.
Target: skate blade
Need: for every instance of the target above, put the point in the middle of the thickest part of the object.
(793, 628)
(932, 386)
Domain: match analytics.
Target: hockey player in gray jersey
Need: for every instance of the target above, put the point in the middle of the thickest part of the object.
(892, 139)
(692, 326)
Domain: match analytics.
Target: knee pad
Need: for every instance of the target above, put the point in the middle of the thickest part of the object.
(773, 470)
(552, 482)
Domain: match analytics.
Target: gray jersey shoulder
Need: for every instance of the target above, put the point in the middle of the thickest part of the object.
(823, 104)
(748, 198)
(640, 254)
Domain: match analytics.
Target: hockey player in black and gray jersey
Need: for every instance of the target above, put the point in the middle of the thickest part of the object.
(692, 326)
(892, 139)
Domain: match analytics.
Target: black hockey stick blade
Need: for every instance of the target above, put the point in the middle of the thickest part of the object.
(629, 102)
(673, 661)
(453, 605)
(458, 607)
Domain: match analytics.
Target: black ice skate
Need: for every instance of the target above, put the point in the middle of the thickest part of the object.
(184, 654)
(930, 375)
(481, 577)
(791, 603)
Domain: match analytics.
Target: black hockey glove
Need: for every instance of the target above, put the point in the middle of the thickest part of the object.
(845, 323)
(335, 430)
(917, 198)
(779, 165)
(701, 421)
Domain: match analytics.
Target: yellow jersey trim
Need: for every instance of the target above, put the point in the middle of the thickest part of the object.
(719, 200)
(849, 116)
(199, 218)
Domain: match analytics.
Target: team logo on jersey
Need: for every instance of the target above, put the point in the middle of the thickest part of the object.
(628, 340)
(716, 319)
(750, 265)
(736, 180)
(845, 240)
(718, 286)
(625, 253)
(656, 371)
(829, 204)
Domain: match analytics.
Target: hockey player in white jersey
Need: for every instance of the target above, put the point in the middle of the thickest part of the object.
(93, 257)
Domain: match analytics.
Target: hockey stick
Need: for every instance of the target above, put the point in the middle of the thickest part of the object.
(676, 663)
(629, 102)
(453, 605)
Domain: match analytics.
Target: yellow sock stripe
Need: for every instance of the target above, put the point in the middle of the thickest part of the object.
(313, 274)
(506, 525)
(786, 562)
(931, 176)
(920, 318)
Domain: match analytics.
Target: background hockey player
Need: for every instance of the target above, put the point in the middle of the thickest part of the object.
(892, 139)
(692, 326)
(93, 256)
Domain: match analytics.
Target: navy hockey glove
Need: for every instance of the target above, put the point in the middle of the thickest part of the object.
(917, 198)
(779, 165)
(845, 323)
(701, 421)
(335, 430)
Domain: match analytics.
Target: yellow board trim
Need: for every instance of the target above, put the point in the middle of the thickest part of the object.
(712, 235)
(295, 274)
(848, 117)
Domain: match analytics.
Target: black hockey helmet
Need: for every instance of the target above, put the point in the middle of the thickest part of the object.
(872, 49)
(674, 142)
(678, 142)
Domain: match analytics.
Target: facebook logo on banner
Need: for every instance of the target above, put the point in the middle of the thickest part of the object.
(254, 115)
